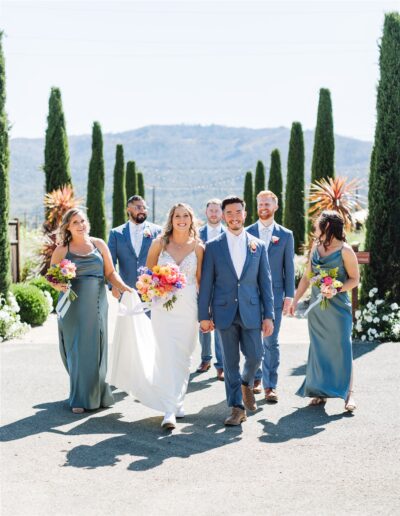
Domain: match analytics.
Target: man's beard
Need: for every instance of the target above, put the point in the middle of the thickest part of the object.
(139, 218)
(265, 216)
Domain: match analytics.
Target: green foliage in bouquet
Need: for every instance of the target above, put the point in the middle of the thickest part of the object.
(33, 303)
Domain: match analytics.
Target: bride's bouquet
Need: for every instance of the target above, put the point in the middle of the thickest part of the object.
(160, 284)
(327, 282)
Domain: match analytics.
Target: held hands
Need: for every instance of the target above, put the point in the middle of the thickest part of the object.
(286, 305)
(117, 292)
(61, 287)
(293, 308)
(206, 326)
(267, 327)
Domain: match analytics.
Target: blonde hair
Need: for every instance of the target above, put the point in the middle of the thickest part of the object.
(267, 193)
(168, 228)
(216, 201)
(64, 233)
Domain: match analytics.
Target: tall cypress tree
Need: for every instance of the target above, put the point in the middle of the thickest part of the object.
(294, 218)
(248, 197)
(275, 182)
(119, 192)
(95, 201)
(259, 182)
(383, 229)
(5, 278)
(323, 160)
(140, 182)
(56, 152)
(131, 179)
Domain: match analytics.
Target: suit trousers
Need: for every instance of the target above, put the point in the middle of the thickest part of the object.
(270, 362)
(234, 339)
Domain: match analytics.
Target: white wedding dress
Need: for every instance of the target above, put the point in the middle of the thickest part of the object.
(151, 359)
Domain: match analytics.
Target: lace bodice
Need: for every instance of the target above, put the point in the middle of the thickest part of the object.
(188, 265)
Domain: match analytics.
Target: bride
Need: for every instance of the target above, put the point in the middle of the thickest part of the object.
(151, 359)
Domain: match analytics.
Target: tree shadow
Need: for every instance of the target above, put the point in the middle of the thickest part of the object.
(359, 349)
(147, 442)
(303, 422)
(49, 416)
(200, 385)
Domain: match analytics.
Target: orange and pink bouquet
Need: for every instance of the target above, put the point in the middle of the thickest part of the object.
(160, 284)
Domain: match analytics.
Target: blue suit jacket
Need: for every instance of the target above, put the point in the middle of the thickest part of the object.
(203, 233)
(222, 293)
(122, 251)
(281, 261)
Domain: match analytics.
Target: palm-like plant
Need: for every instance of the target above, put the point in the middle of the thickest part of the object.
(56, 204)
(336, 194)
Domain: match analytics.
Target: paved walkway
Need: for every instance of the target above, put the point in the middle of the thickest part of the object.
(286, 459)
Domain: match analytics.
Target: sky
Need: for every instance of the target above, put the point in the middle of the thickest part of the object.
(238, 63)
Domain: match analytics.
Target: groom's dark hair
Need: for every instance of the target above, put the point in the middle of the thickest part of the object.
(232, 199)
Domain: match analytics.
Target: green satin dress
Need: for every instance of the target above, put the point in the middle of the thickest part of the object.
(83, 334)
(330, 356)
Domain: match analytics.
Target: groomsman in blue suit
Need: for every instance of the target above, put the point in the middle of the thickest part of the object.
(209, 231)
(236, 298)
(280, 245)
(130, 243)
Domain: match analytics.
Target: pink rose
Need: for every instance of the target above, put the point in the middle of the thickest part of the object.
(328, 280)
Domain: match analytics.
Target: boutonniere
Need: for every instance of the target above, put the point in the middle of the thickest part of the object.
(252, 246)
(275, 239)
(147, 233)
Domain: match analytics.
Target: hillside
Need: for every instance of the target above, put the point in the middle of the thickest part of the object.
(187, 163)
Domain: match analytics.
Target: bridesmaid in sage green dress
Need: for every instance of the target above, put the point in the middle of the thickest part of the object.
(83, 335)
(330, 360)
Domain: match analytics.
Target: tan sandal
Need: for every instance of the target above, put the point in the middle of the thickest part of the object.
(350, 404)
(317, 401)
(78, 410)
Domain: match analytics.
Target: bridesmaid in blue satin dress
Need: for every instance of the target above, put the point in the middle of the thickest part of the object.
(330, 360)
(83, 335)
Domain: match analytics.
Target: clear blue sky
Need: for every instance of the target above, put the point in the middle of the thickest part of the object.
(240, 63)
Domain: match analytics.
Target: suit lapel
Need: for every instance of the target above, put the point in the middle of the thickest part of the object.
(225, 248)
(128, 240)
(256, 230)
(275, 233)
(248, 256)
(146, 240)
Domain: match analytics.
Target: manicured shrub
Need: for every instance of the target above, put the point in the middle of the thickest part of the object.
(41, 283)
(34, 307)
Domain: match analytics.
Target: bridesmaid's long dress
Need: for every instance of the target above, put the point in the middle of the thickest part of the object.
(330, 357)
(83, 334)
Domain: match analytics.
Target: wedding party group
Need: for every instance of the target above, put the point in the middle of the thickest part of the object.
(181, 286)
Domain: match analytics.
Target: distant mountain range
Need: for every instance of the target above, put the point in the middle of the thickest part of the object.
(188, 163)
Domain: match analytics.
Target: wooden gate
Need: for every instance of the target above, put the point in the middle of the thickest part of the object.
(13, 232)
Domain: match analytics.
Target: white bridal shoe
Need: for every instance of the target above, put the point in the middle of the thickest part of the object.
(169, 421)
(180, 413)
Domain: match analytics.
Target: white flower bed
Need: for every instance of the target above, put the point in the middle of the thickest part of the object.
(378, 321)
(10, 321)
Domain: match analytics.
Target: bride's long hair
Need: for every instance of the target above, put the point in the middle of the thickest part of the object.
(168, 228)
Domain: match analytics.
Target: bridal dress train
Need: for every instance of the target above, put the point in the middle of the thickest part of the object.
(151, 359)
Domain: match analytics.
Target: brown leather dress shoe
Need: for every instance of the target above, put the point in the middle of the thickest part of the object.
(203, 367)
(249, 400)
(220, 375)
(271, 395)
(257, 389)
(236, 418)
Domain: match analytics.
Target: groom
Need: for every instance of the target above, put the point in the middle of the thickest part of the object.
(236, 297)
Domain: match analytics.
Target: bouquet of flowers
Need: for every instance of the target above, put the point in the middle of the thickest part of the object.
(326, 280)
(160, 284)
(62, 274)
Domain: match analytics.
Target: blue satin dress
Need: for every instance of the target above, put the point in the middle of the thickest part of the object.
(330, 355)
(83, 334)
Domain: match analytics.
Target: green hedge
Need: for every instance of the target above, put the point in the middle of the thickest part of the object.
(41, 283)
(34, 308)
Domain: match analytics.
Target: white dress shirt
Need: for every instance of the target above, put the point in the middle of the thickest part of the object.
(213, 232)
(136, 232)
(265, 232)
(238, 250)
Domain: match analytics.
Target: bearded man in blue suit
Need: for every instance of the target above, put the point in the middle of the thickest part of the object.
(130, 243)
(280, 246)
(236, 298)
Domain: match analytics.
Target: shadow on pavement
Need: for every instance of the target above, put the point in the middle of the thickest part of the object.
(147, 442)
(359, 349)
(303, 422)
(49, 416)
